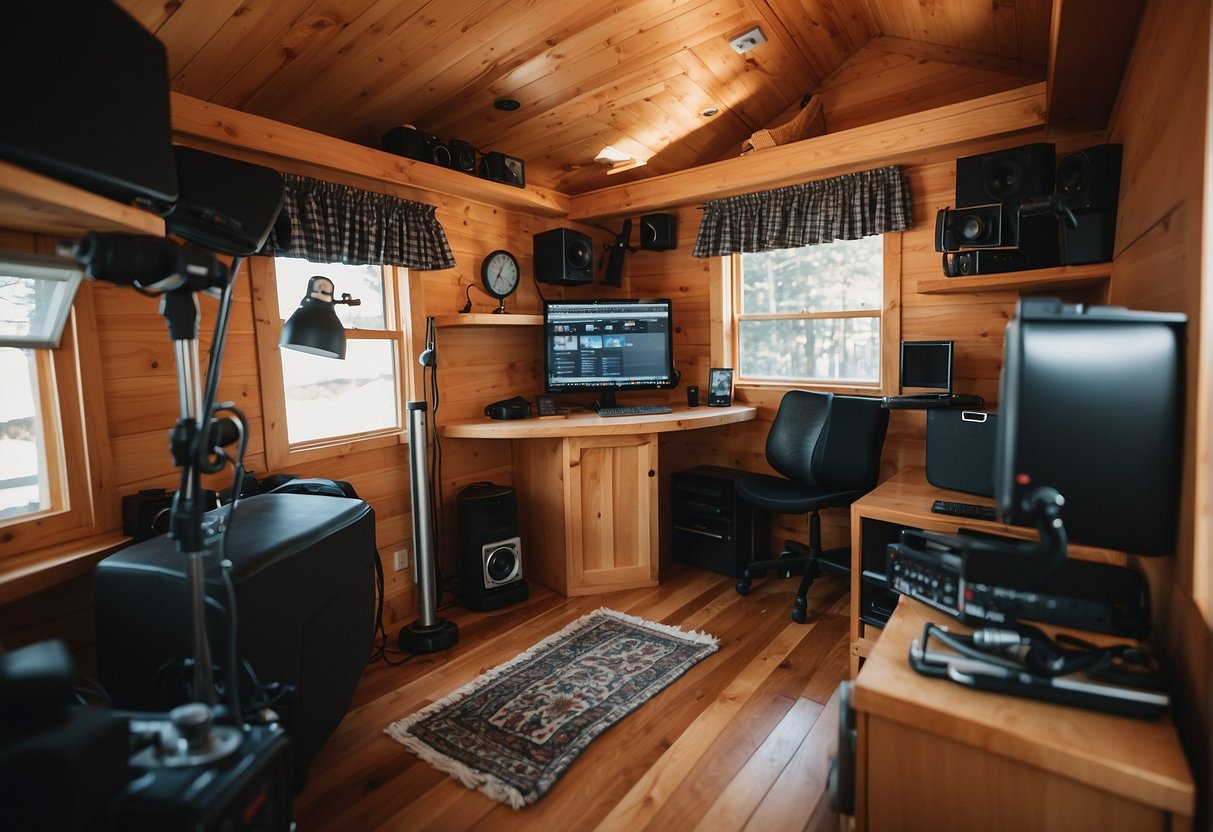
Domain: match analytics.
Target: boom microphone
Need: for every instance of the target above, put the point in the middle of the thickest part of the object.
(147, 262)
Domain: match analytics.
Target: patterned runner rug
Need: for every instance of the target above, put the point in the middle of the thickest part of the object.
(514, 731)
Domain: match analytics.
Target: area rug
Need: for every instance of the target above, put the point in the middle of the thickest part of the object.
(514, 731)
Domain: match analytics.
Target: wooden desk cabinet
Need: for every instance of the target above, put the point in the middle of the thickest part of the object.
(588, 492)
(934, 755)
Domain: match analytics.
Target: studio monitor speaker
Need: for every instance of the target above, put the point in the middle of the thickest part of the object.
(227, 205)
(1008, 177)
(563, 256)
(490, 550)
(1088, 182)
(658, 232)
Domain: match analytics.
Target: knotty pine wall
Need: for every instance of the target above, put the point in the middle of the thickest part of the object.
(1157, 267)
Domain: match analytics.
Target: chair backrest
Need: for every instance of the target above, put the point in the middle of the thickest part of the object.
(828, 441)
(794, 436)
(849, 457)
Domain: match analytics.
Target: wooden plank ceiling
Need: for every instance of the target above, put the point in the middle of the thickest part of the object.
(635, 74)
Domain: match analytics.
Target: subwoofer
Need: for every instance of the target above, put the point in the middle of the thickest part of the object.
(1088, 182)
(658, 232)
(1008, 177)
(563, 256)
(490, 551)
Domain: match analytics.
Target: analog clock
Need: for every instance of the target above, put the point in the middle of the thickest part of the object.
(500, 275)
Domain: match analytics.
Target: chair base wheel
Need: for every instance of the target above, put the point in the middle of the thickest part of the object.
(799, 615)
(743, 587)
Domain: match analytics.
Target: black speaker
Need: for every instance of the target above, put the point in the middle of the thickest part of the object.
(1038, 249)
(960, 450)
(501, 168)
(490, 551)
(227, 205)
(85, 99)
(463, 156)
(409, 142)
(1008, 177)
(1088, 182)
(658, 232)
(975, 226)
(564, 256)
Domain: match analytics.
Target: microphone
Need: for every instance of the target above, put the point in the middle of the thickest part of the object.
(147, 262)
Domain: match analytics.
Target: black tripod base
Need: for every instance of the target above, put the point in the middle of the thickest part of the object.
(440, 635)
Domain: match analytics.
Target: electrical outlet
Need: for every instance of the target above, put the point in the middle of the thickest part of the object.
(401, 559)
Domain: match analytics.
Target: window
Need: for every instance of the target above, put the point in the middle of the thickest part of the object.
(56, 475)
(811, 315)
(324, 404)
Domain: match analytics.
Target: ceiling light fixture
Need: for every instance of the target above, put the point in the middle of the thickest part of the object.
(507, 105)
(743, 43)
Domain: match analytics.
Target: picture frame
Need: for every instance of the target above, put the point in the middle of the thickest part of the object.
(720, 387)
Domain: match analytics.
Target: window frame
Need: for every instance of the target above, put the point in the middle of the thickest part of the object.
(84, 500)
(279, 452)
(725, 274)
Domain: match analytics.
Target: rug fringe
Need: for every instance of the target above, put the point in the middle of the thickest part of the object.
(694, 636)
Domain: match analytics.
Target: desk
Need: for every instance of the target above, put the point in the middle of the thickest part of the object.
(904, 501)
(932, 754)
(595, 480)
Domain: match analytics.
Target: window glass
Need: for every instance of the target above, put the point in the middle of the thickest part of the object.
(24, 471)
(327, 398)
(811, 314)
(328, 401)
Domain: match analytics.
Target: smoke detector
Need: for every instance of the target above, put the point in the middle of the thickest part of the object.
(745, 42)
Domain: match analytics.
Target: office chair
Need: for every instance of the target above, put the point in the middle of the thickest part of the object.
(827, 449)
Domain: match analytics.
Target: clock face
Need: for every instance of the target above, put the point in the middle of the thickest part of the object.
(500, 274)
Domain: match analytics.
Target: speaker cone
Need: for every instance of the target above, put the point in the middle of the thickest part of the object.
(579, 254)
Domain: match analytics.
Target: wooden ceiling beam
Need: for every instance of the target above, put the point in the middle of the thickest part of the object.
(1089, 46)
(860, 148)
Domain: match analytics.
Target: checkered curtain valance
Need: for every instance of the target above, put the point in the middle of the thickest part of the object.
(331, 223)
(845, 207)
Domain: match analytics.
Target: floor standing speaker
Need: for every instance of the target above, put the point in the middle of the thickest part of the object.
(563, 256)
(1088, 182)
(490, 551)
(1008, 177)
(711, 527)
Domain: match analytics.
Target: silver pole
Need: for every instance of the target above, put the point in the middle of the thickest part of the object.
(423, 532)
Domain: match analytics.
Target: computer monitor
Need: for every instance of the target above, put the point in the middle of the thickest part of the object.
(926, 365)
(608, 345)
(1091, 405)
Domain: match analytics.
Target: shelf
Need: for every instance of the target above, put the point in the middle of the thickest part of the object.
(1038, 280)
(488, 319)
(32, 202)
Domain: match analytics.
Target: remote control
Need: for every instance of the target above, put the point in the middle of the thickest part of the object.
(969, 510)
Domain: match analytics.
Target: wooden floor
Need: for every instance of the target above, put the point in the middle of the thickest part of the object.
(741, 741)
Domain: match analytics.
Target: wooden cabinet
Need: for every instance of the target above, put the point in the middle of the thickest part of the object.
(596, 531)
(932, 754)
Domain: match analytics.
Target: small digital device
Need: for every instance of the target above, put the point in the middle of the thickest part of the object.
(926, 366)
(720, 387)
(546, 405)
(606, 346)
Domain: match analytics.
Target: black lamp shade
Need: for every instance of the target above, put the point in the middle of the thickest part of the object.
(314, 327)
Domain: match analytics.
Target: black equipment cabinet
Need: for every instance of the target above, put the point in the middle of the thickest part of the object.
(710, 527)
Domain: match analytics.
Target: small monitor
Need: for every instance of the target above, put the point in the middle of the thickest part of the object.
(1091, 405)
(926, 365)
(608, 345)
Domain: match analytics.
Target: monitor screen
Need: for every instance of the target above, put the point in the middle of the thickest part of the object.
(926, 364)
(607, 345)
(1091, 405)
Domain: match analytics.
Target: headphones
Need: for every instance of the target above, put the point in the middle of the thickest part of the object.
(428, 357)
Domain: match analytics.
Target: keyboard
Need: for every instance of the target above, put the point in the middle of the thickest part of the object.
(635, 410)
(970, 511)
(928, 401)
